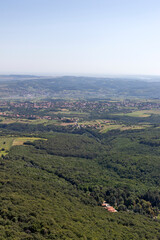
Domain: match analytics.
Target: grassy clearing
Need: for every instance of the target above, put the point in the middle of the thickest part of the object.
(107, 128)
(139, 114)
(142, 113)
(94, 122)
(5, 145)
(21, 140)
(107, 125)
(7, 142)
(74, 112)
(6, 120)
(136, 114)
(37, 121)
(122, 127)
(20, 120)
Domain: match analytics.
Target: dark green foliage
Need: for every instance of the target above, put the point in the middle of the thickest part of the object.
(54, 189)
(70, 145)
(37, 203)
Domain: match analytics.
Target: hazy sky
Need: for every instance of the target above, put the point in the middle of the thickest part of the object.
(80, 36)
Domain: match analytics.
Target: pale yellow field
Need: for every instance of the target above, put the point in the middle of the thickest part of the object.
(121, 128)
(107, 125)
(7, 142)
(21, 140)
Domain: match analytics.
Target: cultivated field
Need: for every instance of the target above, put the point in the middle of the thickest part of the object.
(142, 113)
(7, 142)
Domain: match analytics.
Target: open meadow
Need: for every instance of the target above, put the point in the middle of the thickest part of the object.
(7, 142)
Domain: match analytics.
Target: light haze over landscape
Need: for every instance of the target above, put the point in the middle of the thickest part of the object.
(79, 120)
(88, 37)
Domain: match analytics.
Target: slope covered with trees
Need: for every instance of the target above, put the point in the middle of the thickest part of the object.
(54, 189)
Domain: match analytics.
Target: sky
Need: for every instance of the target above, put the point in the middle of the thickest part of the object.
(81, 37)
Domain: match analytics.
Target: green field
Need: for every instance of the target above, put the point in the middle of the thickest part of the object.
(21, 140)
(6, 120)
(142, 113)
(107, 125)
(7, 142)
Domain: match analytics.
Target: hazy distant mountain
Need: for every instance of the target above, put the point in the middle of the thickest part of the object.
(20, 86)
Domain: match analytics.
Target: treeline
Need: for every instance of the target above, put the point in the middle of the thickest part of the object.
(36, 203)
(54, 189)
(114, 158)
(72, 145)
(151, 142)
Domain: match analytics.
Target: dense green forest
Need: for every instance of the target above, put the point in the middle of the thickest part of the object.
(54, 189)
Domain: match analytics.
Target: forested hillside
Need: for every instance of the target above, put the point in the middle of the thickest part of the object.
(54, 188)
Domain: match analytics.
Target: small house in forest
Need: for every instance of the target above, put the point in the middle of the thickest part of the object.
(108, 207)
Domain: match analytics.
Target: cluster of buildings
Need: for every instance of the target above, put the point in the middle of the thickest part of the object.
(83, 105)
(108, 207)
(56, 109)
(14, 115)
(36, 105)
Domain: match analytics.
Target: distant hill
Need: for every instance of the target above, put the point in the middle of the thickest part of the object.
(26, 86)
